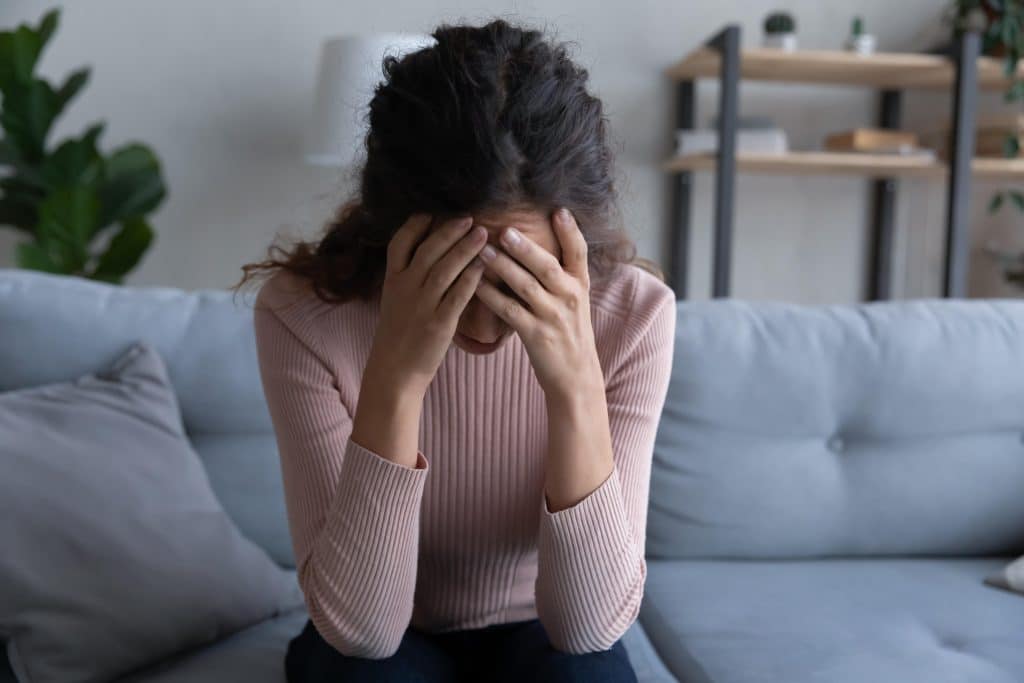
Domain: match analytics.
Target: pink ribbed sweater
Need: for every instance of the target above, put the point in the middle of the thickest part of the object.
(465, 539)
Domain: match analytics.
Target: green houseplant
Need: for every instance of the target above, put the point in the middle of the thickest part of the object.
(83, 211)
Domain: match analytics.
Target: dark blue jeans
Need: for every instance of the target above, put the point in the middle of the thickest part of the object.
(516, 652)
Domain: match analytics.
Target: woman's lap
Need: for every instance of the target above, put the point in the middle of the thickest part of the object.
(513, 652)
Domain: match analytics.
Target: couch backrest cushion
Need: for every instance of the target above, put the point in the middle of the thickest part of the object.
(54, 328)
(887, 428)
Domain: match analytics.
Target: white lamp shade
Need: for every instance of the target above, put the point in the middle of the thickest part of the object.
(348, 73)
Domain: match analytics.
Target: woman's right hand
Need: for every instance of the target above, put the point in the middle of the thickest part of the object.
(426, 288)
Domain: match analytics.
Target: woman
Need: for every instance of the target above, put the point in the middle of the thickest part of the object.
(466, 420)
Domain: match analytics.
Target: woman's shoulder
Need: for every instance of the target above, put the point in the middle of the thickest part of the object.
(321, 324)
(631, 296)
(633, 312)
(293, 296)
(284, 292)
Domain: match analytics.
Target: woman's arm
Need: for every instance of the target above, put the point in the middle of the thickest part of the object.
(592, 568)
(353, 503)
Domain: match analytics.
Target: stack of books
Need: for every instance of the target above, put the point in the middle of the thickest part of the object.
(877, 141)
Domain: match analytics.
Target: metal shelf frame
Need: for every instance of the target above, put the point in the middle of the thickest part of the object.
(878, 285)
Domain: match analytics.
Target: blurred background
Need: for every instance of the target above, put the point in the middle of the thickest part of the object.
(223, 94)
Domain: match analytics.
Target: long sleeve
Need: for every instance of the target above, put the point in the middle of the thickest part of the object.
(591, 564)
(354, 516)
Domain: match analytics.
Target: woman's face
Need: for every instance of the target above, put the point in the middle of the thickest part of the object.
(480, 330)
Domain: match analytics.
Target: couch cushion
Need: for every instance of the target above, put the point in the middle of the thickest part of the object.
(207, 342)
(103, 503)
(890, 428)
(836, 620)
(255, 655)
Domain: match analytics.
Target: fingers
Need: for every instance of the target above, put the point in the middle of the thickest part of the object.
(402, 243)
(459, 294)
(507, 308)
(540, 264)
(521, 281)
(444, 271)
(574, 246)
(437, 244)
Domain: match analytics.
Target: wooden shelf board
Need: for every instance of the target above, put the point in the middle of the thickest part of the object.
(870, 165)
(838, 67)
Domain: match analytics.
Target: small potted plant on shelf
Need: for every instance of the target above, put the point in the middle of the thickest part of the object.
(1001, 23)
(858, 41)
(780, 31)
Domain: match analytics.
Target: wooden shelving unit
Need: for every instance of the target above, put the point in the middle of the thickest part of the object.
(851, 163)
(885, 70)
(722, 58)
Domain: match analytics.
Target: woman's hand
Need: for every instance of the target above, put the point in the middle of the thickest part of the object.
(554, 324)
(426, 288)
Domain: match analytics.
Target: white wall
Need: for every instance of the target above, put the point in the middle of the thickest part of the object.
(222, 90)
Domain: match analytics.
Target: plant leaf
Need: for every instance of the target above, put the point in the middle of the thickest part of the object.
(20, 49)
(995, 202)
(34, 257)
(15, 189)
(67, 221)
(47, 26)
(1015, 92)
(8, 153)
(124, 251)
(134, 185)
(27, 114)
(76, 161)
(29, 110)
(71, 87)
(1011, 146)
(18, 215)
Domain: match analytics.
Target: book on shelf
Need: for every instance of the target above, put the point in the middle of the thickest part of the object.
(748, 140)
(874, 140)
(921, 153)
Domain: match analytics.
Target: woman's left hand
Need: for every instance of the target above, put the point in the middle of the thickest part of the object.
(554, 325)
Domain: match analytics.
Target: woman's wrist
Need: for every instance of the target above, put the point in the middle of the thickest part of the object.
(387, 417)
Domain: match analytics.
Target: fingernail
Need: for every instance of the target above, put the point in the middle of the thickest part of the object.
(511, 237)
(564, 213)
(488, 252)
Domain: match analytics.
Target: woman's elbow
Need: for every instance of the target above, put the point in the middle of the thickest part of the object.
(583, 639)
(353, 640)
(585, 631)
(352, 628)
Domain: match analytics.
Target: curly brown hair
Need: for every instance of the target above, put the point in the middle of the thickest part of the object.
(489, 118)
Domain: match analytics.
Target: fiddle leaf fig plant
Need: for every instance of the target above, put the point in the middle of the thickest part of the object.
(83, 211)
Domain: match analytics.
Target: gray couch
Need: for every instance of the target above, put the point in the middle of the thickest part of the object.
(830, 486)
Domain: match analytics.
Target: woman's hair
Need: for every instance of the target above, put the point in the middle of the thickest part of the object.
(490, 118)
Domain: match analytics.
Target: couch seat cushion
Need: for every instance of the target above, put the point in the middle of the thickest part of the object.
(255, 655)
(834, 620)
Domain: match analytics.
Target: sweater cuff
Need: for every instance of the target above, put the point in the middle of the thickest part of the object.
(596, 524)
(368, 471)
